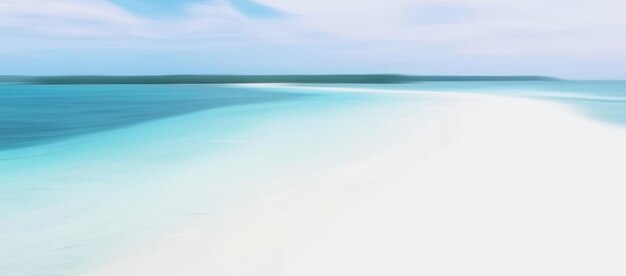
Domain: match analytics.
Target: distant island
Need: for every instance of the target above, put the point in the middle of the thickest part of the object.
(242, 79)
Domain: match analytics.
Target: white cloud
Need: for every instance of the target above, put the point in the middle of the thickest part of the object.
(68, 18)
(215, 21)
(489, 26)
(403, 31)
(483, 26)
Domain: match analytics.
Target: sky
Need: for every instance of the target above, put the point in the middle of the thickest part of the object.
(580, 39)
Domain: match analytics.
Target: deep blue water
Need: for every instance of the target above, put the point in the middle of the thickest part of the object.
(39, 114)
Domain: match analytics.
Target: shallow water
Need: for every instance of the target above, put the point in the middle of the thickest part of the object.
(601, 100)
(75, 194)
(79, 163)
(88, 173)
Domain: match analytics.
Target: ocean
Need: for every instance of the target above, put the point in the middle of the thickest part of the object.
(92, 172)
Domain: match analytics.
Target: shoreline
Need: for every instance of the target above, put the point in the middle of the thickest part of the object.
(493, 185)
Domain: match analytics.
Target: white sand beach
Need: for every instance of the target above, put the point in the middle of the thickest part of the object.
(487, 185)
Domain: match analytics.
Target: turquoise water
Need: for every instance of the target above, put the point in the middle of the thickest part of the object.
(39, 114)
(90, 173)
(132, 168)
(82, 168)
(601, 100)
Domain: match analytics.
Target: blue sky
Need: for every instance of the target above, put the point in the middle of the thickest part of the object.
(170, 8)
(574, 39)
